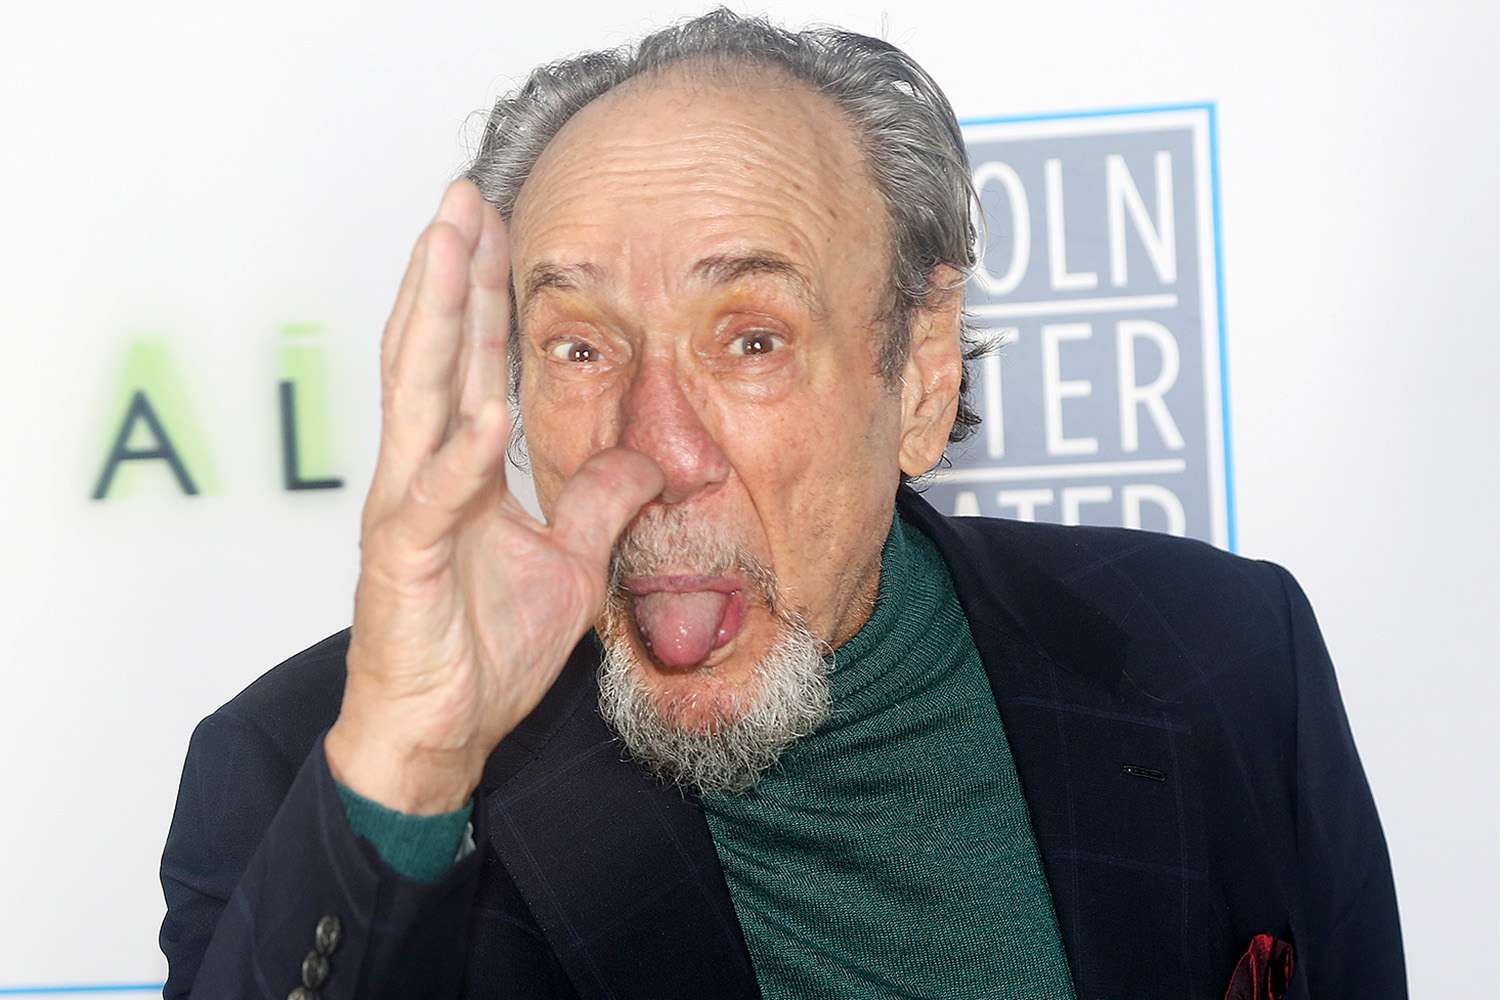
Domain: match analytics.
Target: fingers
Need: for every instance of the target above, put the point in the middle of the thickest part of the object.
(422, 382)
(483, 371)
(390, 339)
(447, 483)
(421, 347)
(451, 210)
(601, 498)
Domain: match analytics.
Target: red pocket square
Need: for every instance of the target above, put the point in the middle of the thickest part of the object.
(1263, 972)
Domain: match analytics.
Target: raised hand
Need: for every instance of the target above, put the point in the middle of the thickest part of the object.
(467, 607)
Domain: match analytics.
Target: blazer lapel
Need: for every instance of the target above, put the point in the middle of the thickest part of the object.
(1109, 786)
(618, 869)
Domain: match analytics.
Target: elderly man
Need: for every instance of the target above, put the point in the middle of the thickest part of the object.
(745, 716)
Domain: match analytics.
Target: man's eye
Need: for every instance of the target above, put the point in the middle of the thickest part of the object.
(754, 344)
(579, 352)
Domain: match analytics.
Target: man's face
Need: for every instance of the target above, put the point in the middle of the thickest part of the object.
(700, 270)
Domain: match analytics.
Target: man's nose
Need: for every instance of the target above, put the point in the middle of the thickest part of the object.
(660, 421)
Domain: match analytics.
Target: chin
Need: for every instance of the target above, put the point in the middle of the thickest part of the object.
(701, 701)
(703, 697)
(716, 726)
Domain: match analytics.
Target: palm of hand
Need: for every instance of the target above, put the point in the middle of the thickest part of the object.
(467, 607)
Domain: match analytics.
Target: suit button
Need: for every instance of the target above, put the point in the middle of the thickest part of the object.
(302, 993)
(314, 970)
(326, 937)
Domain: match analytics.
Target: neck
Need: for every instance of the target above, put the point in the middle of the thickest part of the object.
(858, 601)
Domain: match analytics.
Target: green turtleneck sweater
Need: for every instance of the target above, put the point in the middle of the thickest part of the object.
(890, 854)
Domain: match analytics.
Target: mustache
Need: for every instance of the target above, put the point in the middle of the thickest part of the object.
(665, 539)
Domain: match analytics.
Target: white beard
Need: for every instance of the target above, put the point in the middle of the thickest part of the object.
(787, 698)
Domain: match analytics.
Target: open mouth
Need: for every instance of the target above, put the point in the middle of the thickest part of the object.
(683, 619)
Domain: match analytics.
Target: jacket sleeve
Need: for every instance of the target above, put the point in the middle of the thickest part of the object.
(1351, 942)
(263, 874)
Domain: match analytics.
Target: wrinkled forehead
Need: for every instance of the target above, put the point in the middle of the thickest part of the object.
(664, 171)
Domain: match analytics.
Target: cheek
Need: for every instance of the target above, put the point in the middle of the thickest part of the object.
(882, 430)
(769, 445)
(813, 446)
(564, 424)
(821, 471)
(857, 470)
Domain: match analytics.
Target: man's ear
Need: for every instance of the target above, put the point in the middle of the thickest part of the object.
(933, 372)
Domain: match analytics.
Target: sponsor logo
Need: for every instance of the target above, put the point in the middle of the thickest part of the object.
(157, 436)
(1100, 278)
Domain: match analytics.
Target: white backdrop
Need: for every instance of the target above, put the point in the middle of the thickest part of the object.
(202, 180)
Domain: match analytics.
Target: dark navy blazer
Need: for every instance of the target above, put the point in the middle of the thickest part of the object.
(1175, 721)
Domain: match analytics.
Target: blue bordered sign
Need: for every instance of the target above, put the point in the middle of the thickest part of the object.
(1101, 276)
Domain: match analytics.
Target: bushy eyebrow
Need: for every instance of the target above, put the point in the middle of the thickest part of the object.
(724, 269)
(550, 274)
(564, 277)
(717, 269)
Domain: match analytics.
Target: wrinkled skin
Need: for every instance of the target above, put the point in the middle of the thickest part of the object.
(755, 393)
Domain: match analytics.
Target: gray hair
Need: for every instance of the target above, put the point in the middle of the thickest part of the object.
(910, 136)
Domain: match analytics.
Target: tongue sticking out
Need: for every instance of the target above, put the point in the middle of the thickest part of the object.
(681, 629)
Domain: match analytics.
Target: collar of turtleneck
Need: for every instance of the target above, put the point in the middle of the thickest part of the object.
(915, 596)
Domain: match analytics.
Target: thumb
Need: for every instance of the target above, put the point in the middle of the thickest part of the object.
(601, 498)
